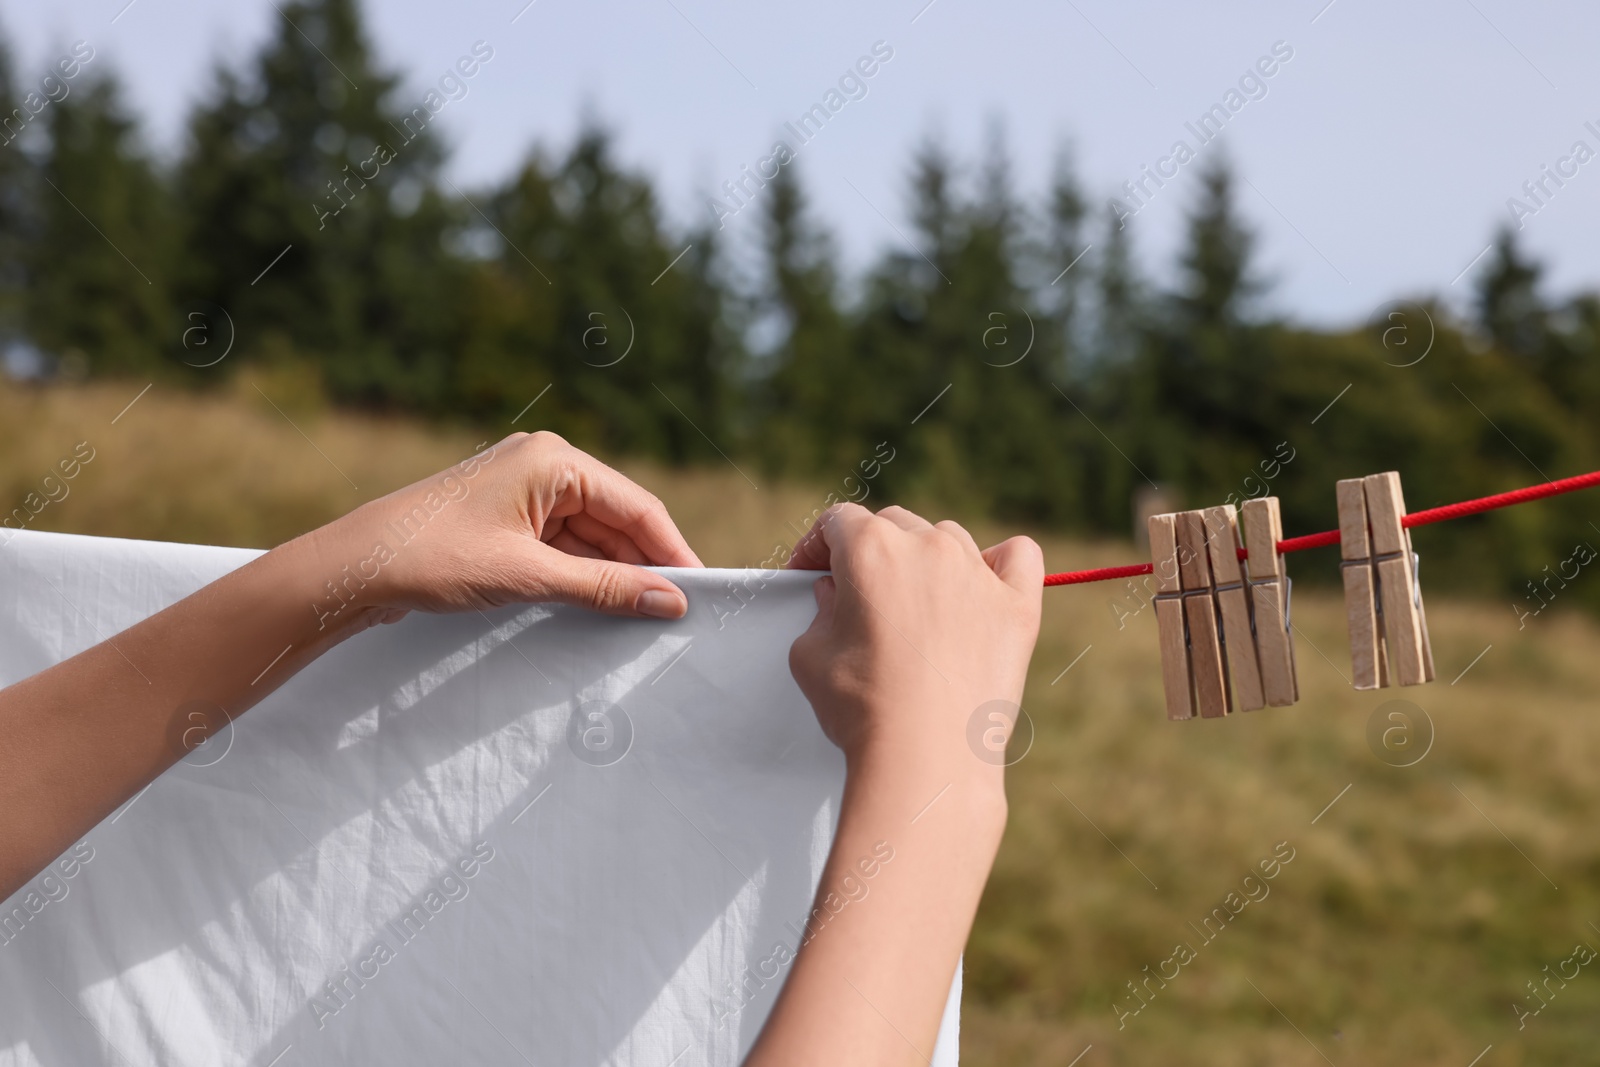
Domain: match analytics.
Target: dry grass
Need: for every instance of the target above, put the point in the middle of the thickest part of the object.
(1412, 915)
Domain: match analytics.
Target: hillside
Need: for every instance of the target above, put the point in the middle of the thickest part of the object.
(1416, 903)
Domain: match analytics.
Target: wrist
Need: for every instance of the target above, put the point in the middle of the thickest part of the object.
(916, 781)
(339, 586)
(934, 733)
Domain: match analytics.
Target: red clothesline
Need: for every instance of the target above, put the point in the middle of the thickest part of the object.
(1331, 537)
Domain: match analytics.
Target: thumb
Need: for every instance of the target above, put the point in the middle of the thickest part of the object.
(1019, 562)
(614, 588)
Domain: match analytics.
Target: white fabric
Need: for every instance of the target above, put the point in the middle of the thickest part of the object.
(560, 912)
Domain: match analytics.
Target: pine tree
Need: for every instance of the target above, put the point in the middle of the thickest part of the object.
(933, 207)
(1117, 406)
(311, 210)
(908, 335)
(509, 354)
(596, 300)
(810, 390)
(1508, 304)
(1067, 372)
(100, 259)
(1013, 432)
(1120, 304)
(1218, 284)
(1205, 362)
(950, 342)
(1063, 263)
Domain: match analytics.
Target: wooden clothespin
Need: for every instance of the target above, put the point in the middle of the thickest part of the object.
(1176, 681)
(1383, 601)
(1193, 674)
(1200, 613)
(1368, 669)
(1238, 636)
(1269, 600)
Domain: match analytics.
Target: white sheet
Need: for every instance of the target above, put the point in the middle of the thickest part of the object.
(400, 857)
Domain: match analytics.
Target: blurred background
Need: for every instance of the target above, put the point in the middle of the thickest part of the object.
(1040, 267)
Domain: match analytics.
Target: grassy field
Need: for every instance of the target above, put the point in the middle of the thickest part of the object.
(1418, 903)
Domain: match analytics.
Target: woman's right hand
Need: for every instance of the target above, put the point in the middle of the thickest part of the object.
(916, 630)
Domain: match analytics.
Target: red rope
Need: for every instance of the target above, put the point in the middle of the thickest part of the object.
(1331, 537)
(1102, 574)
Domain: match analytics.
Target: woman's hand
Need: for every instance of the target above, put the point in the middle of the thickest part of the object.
(530, 519)
(917, 634)
(916, 629)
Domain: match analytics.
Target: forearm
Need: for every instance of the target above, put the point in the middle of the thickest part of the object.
(79, 739)
(90, 732)
(892, 914)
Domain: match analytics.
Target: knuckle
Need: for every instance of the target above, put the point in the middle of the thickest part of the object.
(516, 437)
(954, 534)
(608, 587)
(876, 533)
(833, 514)
(546, 439)
(835, 511)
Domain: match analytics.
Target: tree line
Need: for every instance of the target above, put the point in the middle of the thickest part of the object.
(1011, 354)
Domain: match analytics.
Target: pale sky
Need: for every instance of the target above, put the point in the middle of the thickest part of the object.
(1379, 160)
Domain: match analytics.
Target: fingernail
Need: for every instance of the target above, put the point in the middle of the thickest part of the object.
(660, 604)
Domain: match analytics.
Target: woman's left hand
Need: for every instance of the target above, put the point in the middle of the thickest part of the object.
(529, 519)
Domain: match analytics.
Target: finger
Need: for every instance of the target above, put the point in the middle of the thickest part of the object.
(611, 587)
(1019, 562)
(802, 654)
(611, 543)
(620, 503)
(833, 528)
(959, 532)
(573, 545)
(826, 590)
(904, 518)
